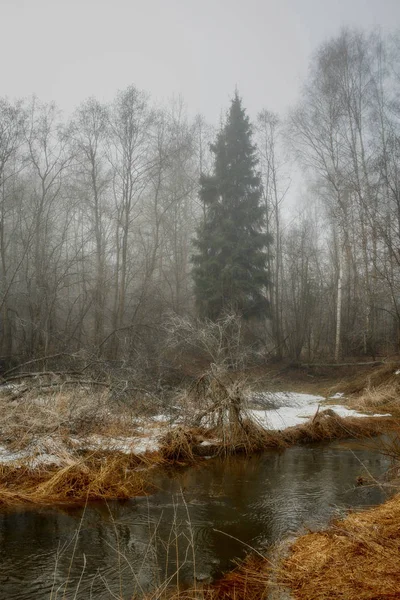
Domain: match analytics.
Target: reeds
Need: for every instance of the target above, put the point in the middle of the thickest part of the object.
(374, 378)
(218, 403)
(246, 435)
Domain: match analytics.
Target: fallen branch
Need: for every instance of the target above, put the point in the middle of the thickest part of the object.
(88, 382)
(38, 374)
(36, 360)
(351, 364)
(57, 385)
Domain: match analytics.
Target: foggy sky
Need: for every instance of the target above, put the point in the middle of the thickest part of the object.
(67, 50)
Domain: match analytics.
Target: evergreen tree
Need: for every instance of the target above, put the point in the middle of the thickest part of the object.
(230, 270)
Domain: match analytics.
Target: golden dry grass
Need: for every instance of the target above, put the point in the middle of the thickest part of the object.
(178, 444)
(113, 474)
(247, 436)
(377, 391)
(218, 402)
(250, 580)
(327, 426)
(382, 399)
(378, 375)
(64, 413)
(356, 558)
(96, 477)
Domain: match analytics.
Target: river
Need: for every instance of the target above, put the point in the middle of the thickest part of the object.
(200, 519)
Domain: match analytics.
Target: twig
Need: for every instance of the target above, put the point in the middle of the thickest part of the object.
(36, 360)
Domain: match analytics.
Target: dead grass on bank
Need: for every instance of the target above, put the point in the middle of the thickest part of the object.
(356, 558)
(250, 580)
(178, 445)
(379, 375)
(326, 425)
(254, 578)
(383, 399)
(65, 413)
(96, 477)
(377, 391)
(247, 436)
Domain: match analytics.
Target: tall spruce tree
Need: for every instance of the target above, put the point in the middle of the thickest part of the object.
(230, 271)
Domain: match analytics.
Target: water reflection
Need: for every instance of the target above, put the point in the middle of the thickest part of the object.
(125, 547)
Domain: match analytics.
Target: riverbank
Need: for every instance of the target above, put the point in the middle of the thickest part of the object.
(78, 477)
(55, 469)
(356, 558)
(75, 446)
(200, 520)
(120, 455)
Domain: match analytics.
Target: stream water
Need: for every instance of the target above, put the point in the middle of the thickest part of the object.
(197, 523)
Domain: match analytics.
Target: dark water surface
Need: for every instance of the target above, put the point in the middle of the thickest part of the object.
(125, 547)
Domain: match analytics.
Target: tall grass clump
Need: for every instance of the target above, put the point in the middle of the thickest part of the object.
(377, 390)
(95, 477)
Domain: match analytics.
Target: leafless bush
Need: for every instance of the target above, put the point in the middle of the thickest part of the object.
(221, 342)
(218, 402)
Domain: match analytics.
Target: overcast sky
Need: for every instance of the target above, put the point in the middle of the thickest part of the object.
(67, 50)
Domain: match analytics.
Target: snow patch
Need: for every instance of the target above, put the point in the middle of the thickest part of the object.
(292, 409)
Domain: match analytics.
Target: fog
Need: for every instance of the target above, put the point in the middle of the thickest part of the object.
(121, 126)
(66, 51)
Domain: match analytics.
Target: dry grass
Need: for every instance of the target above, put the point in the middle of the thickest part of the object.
(251, 580)
(95, 477)
(78, 411)
(376, 391)
(379, 375)
(382, 399)
(356, 558)
(178, 444)
(254, 578)
(247, 436)
(327, 425)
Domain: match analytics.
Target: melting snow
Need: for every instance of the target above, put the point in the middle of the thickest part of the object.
(290, 409)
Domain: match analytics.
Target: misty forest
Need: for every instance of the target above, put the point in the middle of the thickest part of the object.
(200, 341)
(100, 214)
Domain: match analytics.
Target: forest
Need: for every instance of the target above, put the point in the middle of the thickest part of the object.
(99, 213)
(200, 321)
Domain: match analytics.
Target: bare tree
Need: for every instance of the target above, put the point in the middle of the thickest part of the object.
(275, 187)
(89, 131)
(129, 124)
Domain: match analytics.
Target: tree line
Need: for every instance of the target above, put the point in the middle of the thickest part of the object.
(103, 217)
